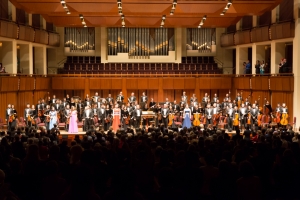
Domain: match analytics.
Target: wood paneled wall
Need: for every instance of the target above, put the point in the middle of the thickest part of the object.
(22, 90)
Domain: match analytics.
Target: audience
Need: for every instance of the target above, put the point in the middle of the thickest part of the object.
(159, 164)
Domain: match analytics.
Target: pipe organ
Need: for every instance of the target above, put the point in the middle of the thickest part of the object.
(80, 39)
(140, 42)
(201, 39)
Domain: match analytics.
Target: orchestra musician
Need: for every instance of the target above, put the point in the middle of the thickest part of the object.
(184, 98)
(283, 110)
(67, 115)
(27, 115)
(205, 100)
(175, 107)
(68, 99)
(208, 114)
(165, 114)
(120, 99)
(215, 98)
(254, 113)
(102, 115)
(137, 116)
(143, 100)
(132, 99)
(56, 105)
(108, 120)
(243, 116)
(268, 110)
(239, 99)
(80, 108)
(247, 102)
(53, 100)
(152, 104)
(33, 116)
(64, 104)
(87, 102)
(167, 101)
(193, 100)
(230, 115)
(72, 103)
(236, 116)
(227, 97)
(95, 98)
(47, 117)
(88, 118)
(109, 99)
(125, 117)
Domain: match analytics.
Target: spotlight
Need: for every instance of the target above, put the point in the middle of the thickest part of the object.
(81, 16)
(68, 12)
(164, 17)
(62, 1)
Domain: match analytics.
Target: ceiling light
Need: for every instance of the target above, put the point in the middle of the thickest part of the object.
(83, 22)
(119, 1)
(174, 2)
(122, 17)
(199, 26)
(120, 12)
(164, 17)
(62, 1)
(226, 8)
(229, 2)
(222, 13)
(81, 16)
(85, 26)
(123, 26)
(119, 5)
(162, 23)
(68, 12)
(204, 18)
(201, 23)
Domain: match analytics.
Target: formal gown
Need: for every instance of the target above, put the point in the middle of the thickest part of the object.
(187, 118)
(116, 121)
(53, 119)
(73, 126)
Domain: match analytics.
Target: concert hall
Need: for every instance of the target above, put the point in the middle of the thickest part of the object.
(157, 99)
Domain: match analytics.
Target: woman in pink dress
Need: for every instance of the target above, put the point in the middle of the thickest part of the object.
(73, 126)
(116, 117)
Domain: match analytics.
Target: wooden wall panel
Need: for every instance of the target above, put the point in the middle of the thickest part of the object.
(68, 83)
(116, 83)
(5, 99)
(26, 83)
(57, 83)
(204, 83)
(282, 83)
(168, 83)
(79, 83)
(152, 94)
(153, 83)
(226, 83)
(142, 83)
(95, 83)
(189, 83)
(43, 83)
(170, 94)
(178, 83)
(105, 83)
(132, 83)
(9, 84)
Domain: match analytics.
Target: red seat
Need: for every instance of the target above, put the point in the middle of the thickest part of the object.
(178, 120)
(39, 123)
(21, 122)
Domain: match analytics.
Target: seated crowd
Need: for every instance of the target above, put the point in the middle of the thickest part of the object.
(155, 164)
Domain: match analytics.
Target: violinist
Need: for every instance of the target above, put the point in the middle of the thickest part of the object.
(143, 100)
(80, 108)
(120, 98)
(205, 100)
(68, 99)
(27, 115)
(96, 97)
(132, 99)
(102, 115)
(108, 120)
(243, 115)
(109, 99)
(47, 117)
(125, 117)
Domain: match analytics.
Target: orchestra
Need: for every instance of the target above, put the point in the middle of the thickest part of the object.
(233, 113)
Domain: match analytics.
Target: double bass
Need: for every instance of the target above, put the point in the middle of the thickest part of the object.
(171, 117)
(216, 118)
(284, 119)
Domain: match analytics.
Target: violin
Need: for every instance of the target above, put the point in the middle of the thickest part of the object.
(40, 113)
(196, 121)
(127, 120)
(11, 118)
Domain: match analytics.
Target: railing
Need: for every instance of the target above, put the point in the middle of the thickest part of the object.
(61, 62)
(147, 75)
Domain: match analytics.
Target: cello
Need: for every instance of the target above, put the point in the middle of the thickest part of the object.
(236, 119)
(259, 119)
(196, 121)
(284, 119)
(216, 118)
(171, 117)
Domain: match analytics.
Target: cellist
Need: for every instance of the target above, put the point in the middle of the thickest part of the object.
(267, 110)
(284, 115)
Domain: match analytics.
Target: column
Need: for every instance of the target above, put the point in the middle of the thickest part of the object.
(103, 45)
(25, 59)
(183, 42)
(178, 44)
(98, 41)
(8, 56)
(241, 56)
(277, 53)
(29, 19)
(258, 53)
(40, 60)
(296, 62)
(51, 60)
(254, 57)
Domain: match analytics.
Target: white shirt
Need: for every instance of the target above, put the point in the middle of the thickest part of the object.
(138, 113)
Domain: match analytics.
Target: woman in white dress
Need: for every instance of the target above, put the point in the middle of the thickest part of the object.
(53, 118)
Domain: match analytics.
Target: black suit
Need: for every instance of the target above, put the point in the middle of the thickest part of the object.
(102, 116)
(143, 101)
(165, 116)
(88, 116)
(176, 107)
(87, 103)
(137, 116)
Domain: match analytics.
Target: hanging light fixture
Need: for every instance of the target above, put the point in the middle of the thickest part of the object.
(229, 3)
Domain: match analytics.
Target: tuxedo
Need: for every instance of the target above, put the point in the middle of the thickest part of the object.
(196, 110)
(88, 116)
(137, 116)
(214, 100)
(152, 105)
(87, 103)
(165, 116)
(176, 108)
(53, 101)
(193, 101)
(57, 106)
(67, 116)
(109, 99)
(254, 112)
(283, 110)
(120, 99)
(208, 113)
(143, 101)
(95, 98)
(185, 98)
(230, 113)
(102, 116)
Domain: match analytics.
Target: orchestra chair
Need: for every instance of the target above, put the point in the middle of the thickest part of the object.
(39, 123)
(2, 123)
(178, 120)
(21, 122)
